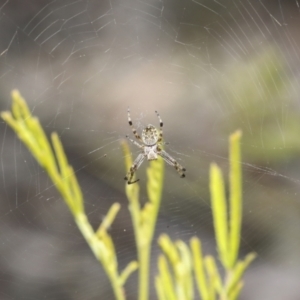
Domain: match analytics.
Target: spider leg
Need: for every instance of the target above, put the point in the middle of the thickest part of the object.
(134, 142)
(160, 127)
(136, 164)
(131, 125)
(171, 161)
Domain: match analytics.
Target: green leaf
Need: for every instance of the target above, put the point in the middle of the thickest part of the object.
(169, 249)
(184, 270)
(238, 273)
(213, 273)
(200, 275)
(108, 219)
(235, 180)
(166, 279)
(219, 208)
(129, 269)
(155, 174)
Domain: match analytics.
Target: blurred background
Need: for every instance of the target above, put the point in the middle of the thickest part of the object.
(209, 67)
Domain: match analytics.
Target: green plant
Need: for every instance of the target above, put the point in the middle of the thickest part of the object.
(179, 263)
(185, 261)
(144, 219)
(31, 133)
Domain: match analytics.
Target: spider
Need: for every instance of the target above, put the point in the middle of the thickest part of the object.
(151, 145)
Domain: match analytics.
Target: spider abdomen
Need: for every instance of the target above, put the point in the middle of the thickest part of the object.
(150, 135)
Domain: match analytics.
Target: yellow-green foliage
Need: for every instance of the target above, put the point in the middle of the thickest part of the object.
(179, 264)
(173, 284)
(62, 175)
(144, 219)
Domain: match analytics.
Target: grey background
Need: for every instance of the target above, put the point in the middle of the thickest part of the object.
(209, 67)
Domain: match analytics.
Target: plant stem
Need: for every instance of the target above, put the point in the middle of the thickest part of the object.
(100, 252)
(144, 259)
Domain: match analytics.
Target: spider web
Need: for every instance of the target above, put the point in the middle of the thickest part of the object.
(209, 68)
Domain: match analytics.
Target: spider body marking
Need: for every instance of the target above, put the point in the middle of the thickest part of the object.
(151, 139)
(150, 135)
